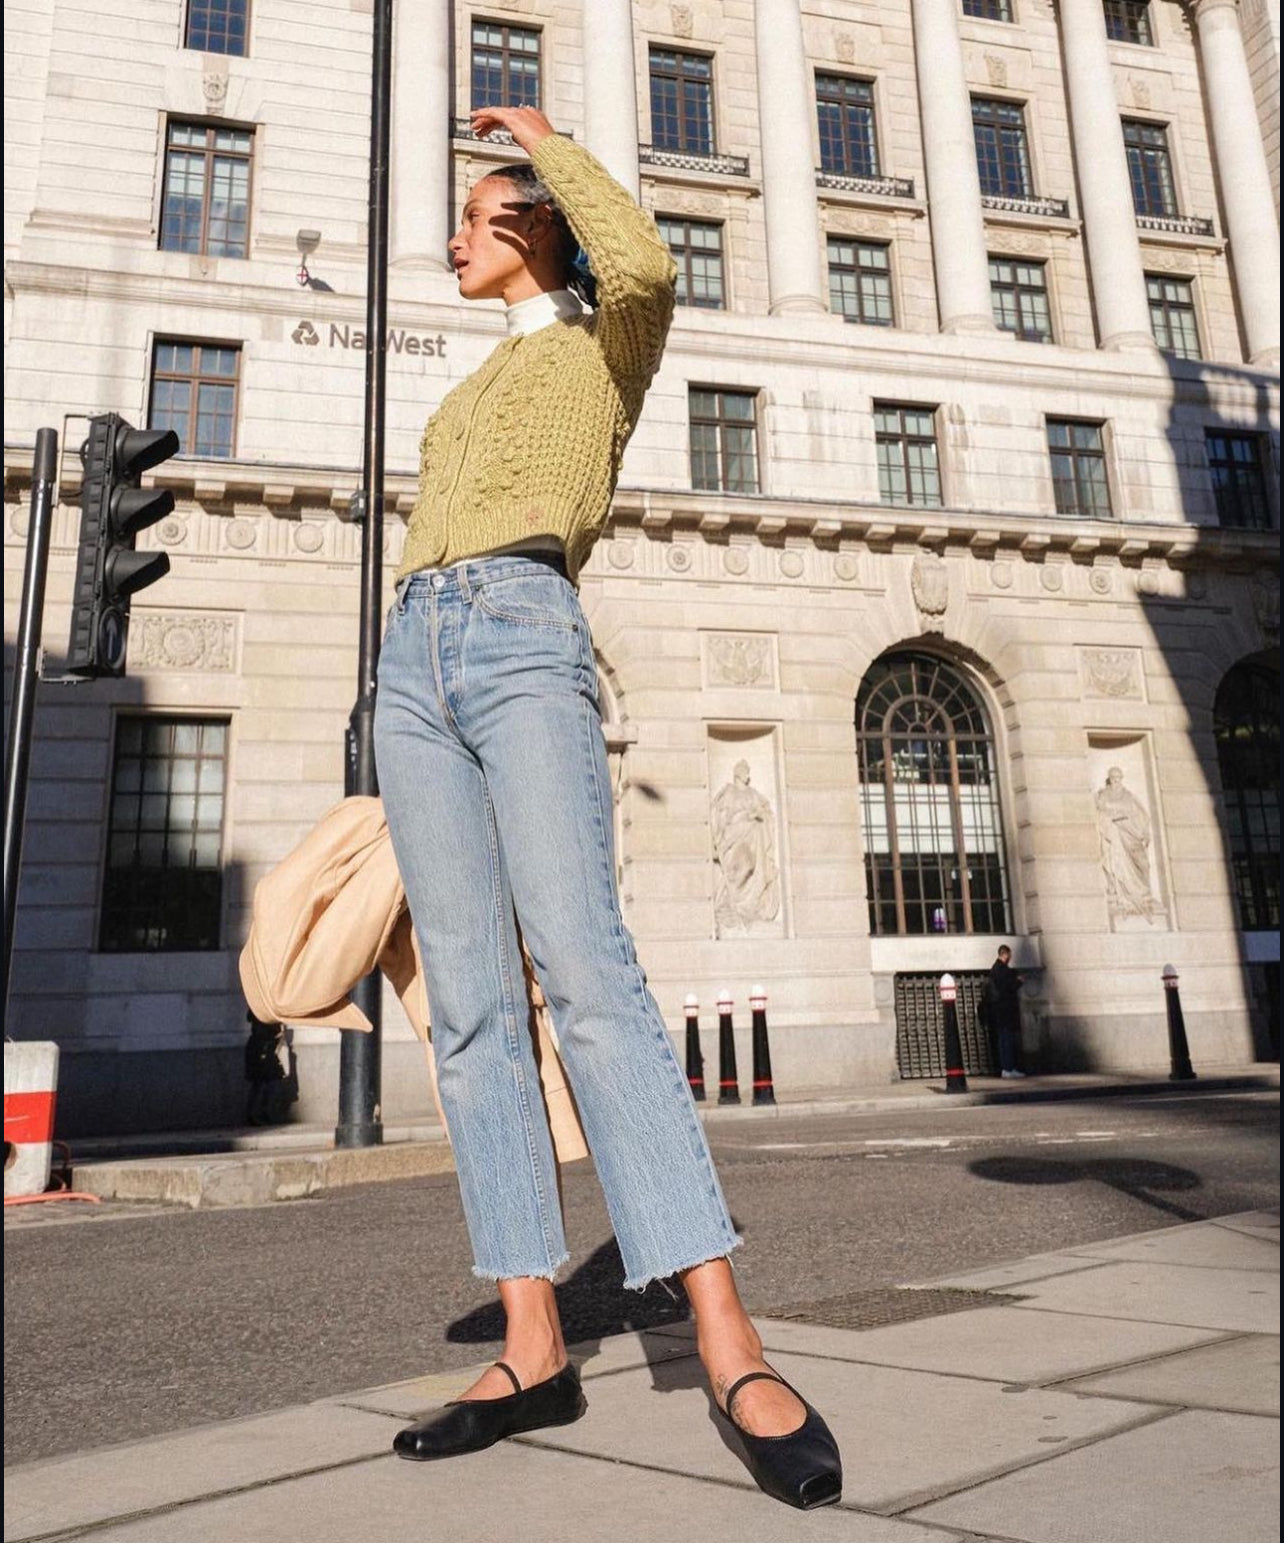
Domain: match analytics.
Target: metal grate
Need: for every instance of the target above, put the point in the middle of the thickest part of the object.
(920, 1026)
(890, 1304)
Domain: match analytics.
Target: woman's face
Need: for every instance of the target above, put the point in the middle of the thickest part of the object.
(498, 238)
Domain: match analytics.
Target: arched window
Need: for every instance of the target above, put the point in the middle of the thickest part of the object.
(934, 859)
(1246, 723)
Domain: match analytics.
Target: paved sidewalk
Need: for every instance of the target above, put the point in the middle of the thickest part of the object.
(253, 1167)
(1122, 1392)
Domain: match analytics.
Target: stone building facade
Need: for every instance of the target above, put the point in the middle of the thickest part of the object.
(940, 595)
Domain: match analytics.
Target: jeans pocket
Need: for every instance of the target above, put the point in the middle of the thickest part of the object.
(531, 600)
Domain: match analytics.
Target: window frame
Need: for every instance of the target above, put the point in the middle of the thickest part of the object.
(1021, 334)
(1011, 104)
(976, 726)
(204, 47)
(885, 246)
(1124, 13)
(875, 170)
(688, 251)
(108, 903)
(906, 439)
(1168, 307)
(1007, 7)
(1251, 870)
(718, 423)
(1076, 454)
(160, 340)
(1263, 481)
(709, 58)
(505, 27)
(1163, 128)
(212, 127)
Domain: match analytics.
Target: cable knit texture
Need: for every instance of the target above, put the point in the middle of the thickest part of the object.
(530, 444)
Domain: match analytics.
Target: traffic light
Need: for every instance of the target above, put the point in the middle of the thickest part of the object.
(113, 510)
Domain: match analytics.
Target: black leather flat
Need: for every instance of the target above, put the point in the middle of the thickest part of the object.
(803, 1467)
(472, 1425)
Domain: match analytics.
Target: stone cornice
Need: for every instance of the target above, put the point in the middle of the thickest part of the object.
(295, 493)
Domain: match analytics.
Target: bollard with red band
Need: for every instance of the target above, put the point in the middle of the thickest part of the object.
(30, 1081)
(695, 1061)
(728, 1077)
(763, 1089)
(955, 1076)
(1178, 1048)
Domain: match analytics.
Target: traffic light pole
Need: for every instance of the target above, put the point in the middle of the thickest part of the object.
(360, 1123)
(26, 664)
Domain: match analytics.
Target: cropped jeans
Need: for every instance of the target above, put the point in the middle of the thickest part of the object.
(493, 771)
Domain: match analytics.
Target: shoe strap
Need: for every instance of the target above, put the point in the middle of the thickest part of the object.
(749, 1377)
(512, 1375)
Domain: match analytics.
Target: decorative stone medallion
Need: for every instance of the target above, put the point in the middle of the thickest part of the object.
(242, 534)
(620, 554)
(309, 538)
(791, 564)
(1001, 575)
(930, 586)
(846, 567)
(1101, 581)
(736, 560)
(679, 558)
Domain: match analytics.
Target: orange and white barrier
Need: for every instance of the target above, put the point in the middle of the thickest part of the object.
(30, 1084)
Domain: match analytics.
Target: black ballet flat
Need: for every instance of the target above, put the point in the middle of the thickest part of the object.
(472, 1425)
(803, 1468)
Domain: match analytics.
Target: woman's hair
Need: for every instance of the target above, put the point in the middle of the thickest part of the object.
(530, 188)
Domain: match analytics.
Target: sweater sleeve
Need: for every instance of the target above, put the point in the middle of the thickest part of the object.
(635, 271)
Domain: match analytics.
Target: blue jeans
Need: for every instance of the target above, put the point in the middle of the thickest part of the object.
(494, 777)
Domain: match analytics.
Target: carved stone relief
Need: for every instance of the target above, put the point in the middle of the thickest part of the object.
(682, 20)
(930, 586)
(1111, 674)
(739, 659)
(745, 835)
(996, 69)
(1266, 605)
(183, 642)
(1126, 832)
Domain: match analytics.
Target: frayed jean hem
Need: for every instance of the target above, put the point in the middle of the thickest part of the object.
(641, 1282)
(549, 1274)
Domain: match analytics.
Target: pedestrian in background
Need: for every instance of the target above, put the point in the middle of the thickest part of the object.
(267, 1070)
(493, 771)
(1003, 1011)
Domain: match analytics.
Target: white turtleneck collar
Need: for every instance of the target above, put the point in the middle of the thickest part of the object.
(541, 311)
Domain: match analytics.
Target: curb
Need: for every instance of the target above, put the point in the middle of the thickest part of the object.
(289, 1170)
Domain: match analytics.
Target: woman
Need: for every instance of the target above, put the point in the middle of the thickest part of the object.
(493, 772)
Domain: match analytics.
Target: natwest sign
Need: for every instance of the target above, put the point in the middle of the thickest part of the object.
(399, 340)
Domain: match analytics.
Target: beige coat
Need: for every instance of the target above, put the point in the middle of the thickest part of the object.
(334, 910)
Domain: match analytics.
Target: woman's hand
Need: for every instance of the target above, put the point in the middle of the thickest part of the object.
(527, 125)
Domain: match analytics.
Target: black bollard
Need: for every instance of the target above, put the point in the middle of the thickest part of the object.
(1178, 1049)
(955, 1076)
(695, 1061)
(728, 1079)
(763, 1090)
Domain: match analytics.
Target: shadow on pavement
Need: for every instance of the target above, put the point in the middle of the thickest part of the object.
(1139, 1178)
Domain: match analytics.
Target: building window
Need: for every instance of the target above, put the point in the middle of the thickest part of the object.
(1079, 481)
(1128, 21)
(1002, 153)
(163, 884)
(1172, 315)
(194, 389)
(1019, 295)
(682, 101)
(845, 113)
(724, 440)
(218, 26)
(697, 249)
(860, 281)
(206, 207)
(1246, 726)
(1150, 168)
(930, 816)
(1239, 480)
(505, 65)
(988, 10)
(908, 467)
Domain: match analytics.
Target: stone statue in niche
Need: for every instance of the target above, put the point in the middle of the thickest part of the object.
(1124, 828)
(744, 850)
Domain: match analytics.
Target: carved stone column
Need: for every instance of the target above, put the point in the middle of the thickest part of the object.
(953, 183)
(419, 212)
(1243, 176)
(1105, 188)
(785, 97)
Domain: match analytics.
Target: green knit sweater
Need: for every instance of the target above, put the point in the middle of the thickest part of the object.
(530, 444)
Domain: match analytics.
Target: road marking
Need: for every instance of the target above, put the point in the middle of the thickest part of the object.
(912, 1141)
